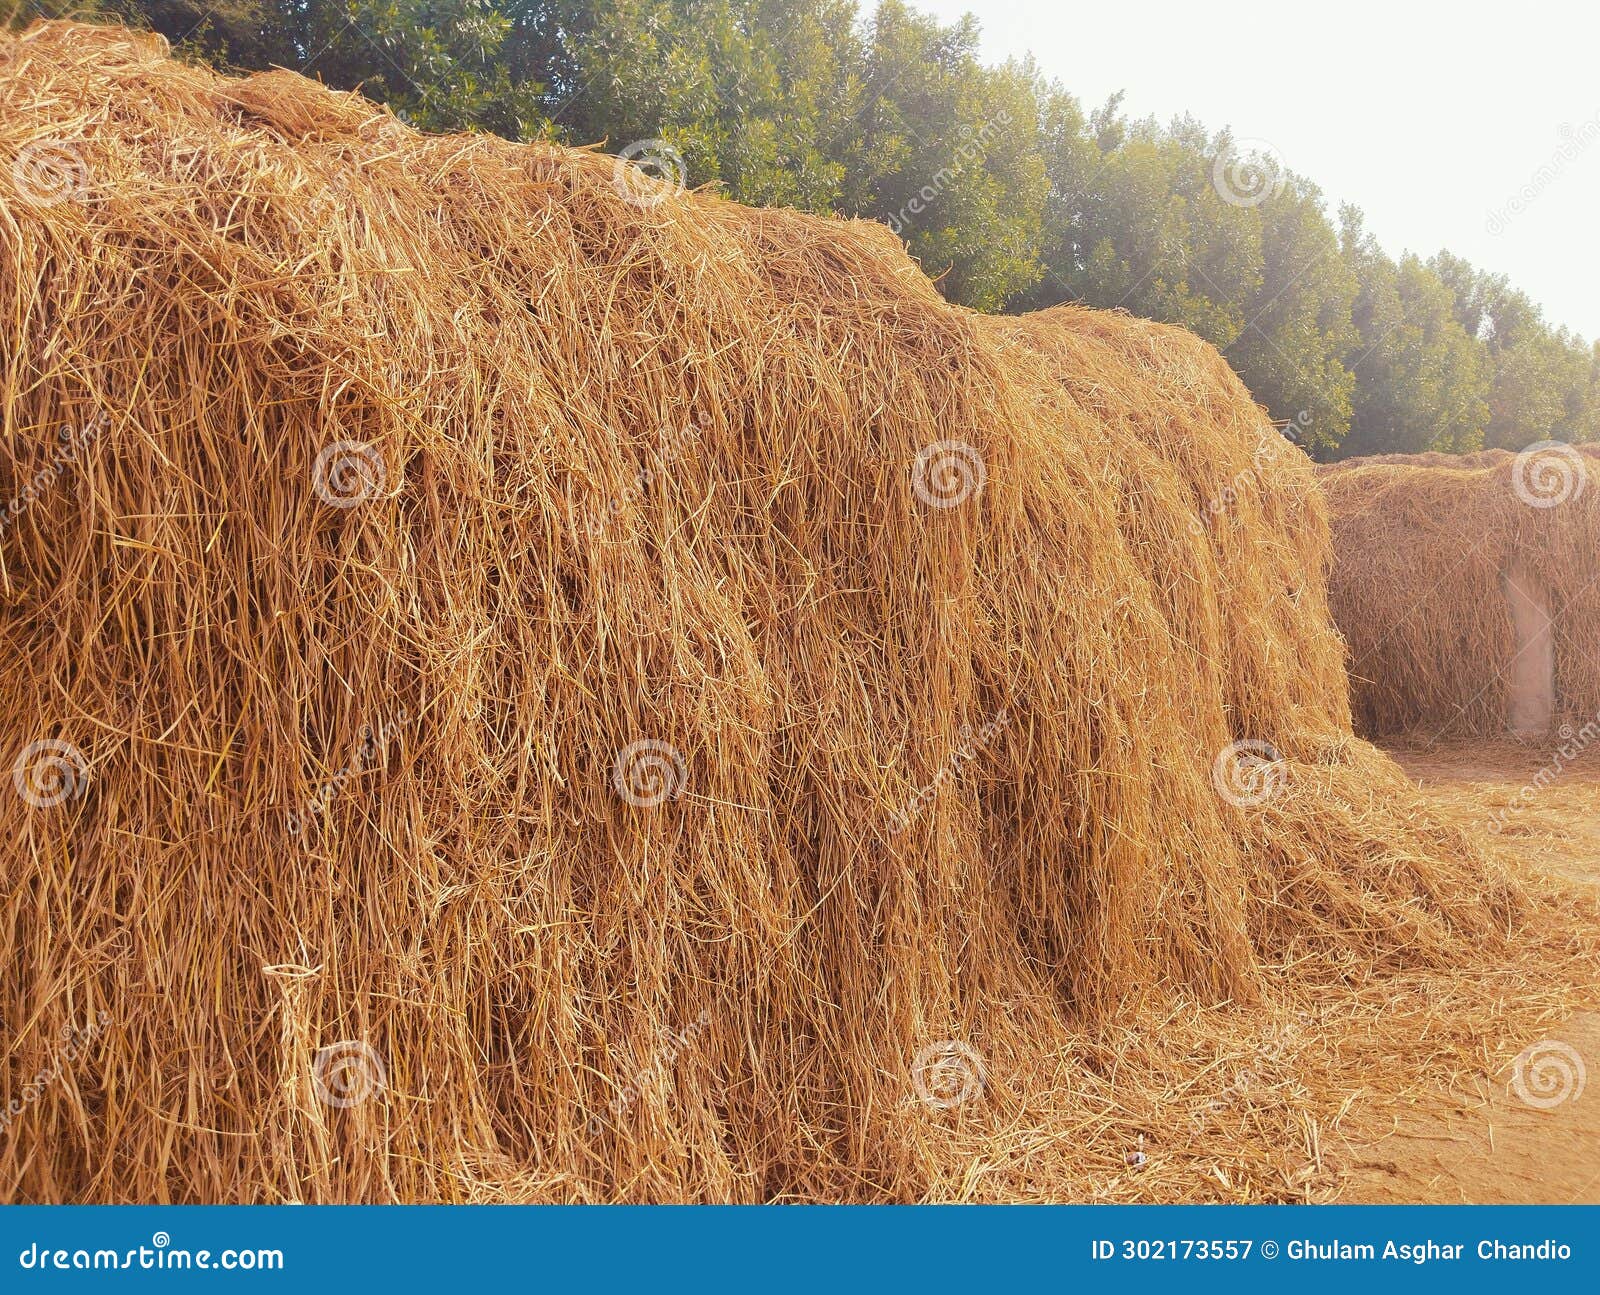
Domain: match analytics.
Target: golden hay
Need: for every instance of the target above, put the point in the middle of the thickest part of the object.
(942, 902)
(1423, 547)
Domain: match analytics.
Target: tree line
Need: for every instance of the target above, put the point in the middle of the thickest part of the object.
(1007, 190)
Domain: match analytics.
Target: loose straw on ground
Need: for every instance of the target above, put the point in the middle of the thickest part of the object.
(439, 476)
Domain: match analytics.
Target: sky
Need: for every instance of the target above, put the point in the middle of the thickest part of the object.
(1434, 118)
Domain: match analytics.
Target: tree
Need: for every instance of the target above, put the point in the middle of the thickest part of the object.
(1543, 384)
(752, 93)
(1423, 381)
(947, 153)
(1137, 219)
(1293, 352)
(1153, 237)
(443, 64)
(249, 34)
(1006, 192)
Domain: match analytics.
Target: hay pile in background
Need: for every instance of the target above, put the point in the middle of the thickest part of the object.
(435, 476)
(1421, 546)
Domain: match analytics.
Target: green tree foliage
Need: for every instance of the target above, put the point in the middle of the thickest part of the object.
(754, 94)
(241, 33)
(1137, 220)
(1294, 350)
(1544, 389)
(1143, 229)
(947, 152)
(1544, 381)
(1423, 380)
(1009, 194)
(442, 64)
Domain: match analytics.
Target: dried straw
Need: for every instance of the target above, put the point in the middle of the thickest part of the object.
(1422, 546)
(725, 995)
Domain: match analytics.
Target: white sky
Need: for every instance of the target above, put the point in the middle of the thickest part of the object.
(1427, 116)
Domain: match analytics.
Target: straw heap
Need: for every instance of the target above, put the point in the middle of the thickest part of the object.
(1422, 548)
(556, 689)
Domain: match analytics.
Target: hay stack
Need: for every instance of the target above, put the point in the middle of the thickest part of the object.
(1436, 557)
(436, 475)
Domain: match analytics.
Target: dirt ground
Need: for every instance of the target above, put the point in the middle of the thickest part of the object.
(1503, 1149)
